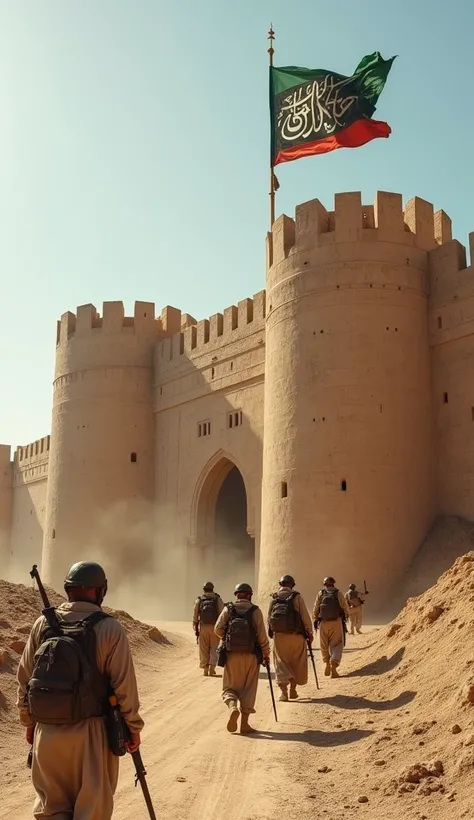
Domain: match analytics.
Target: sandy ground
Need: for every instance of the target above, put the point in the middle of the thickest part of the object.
(355, 730)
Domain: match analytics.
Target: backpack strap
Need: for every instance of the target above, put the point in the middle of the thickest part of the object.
(95, 618)
(250, 611)
(88, 622)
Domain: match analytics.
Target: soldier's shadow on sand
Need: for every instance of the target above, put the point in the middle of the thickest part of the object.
(378, 667)
(349, 702)
(316, 738)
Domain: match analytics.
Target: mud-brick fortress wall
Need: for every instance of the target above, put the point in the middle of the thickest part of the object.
(369, 419)
(351, 383)
(208, 405)
(23, 485)
(101, 468)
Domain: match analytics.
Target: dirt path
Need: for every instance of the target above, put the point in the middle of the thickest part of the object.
(197, 771)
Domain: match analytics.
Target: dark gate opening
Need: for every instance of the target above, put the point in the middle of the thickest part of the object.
(234, 553)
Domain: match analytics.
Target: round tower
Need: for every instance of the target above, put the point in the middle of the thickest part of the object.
(348, 442)
(100, 477)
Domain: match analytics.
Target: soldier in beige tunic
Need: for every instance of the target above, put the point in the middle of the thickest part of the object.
(355, 602)
(242, 630)
(207, 609)
(289, 624)
(329, 609)
(73, 771)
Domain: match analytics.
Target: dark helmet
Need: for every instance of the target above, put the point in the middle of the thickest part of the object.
(245, 588)
(329, 581)
(352, 586)
(287, 581)
(208, 586)
(86, 574)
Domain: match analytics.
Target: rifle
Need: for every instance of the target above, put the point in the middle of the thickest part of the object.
(267, 667)
(114, 719)
(344, 628)
(311, 655)
(366, 591)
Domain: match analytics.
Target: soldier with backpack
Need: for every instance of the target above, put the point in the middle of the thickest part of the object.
(330, 613)
(207, 609)
(65, 678)
(290, 626)
(241, 628)
(355, 603)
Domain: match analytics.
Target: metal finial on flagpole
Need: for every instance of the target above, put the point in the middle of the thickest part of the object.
(271, 52)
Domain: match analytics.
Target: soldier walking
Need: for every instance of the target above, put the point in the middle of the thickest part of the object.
(355, 602)
(74, 773)
(241, 628)
(330, 613)
(207, 609)
(289, 624)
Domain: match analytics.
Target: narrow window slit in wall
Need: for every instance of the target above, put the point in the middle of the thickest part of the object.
(344, 485)
(133, 458)
(284, 489)
(445, 398)
(204, 429)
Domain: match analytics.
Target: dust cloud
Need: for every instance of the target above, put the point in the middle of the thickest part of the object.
(151, 570)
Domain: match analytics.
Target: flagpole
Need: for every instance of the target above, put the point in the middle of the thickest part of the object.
(271, 51)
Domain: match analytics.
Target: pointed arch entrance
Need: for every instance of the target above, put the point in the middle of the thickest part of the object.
(223, 529)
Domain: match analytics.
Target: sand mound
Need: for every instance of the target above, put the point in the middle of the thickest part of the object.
(20, 606)
(426, 655)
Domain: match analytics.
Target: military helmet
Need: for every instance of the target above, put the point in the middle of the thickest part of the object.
(86, 574)
(287, 581)
(352, 586)
(329, 581)
(243, 588)
(208, 586)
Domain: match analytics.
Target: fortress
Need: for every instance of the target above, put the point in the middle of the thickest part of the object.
(317, 428)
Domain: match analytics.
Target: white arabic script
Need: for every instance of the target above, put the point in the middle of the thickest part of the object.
(312, 108)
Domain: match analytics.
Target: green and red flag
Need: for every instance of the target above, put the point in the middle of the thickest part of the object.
(314, 111)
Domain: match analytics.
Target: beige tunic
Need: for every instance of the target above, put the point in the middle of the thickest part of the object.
(208, 640)
(240, 680)
(331, 634)
(355, 609)
(74, 773)
(290, 655)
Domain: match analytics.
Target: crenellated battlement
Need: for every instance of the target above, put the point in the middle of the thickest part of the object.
(88, 320)
(416, 225)
(234, 323)
(36, 451)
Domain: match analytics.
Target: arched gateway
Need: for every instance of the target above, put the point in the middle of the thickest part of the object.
(222, 527)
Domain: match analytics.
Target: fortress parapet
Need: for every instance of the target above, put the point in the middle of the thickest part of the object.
(87, 320)
(36, 451)
(416, 226)
(221, 329)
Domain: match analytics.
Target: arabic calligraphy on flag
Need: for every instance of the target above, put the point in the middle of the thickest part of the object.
(316, 111)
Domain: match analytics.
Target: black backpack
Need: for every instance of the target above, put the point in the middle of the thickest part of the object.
(283, 616)
(66, 685)
(240, 634)
(208, 613)
(330, 609)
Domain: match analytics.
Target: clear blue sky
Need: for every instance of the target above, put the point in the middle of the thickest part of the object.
(134, 152)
